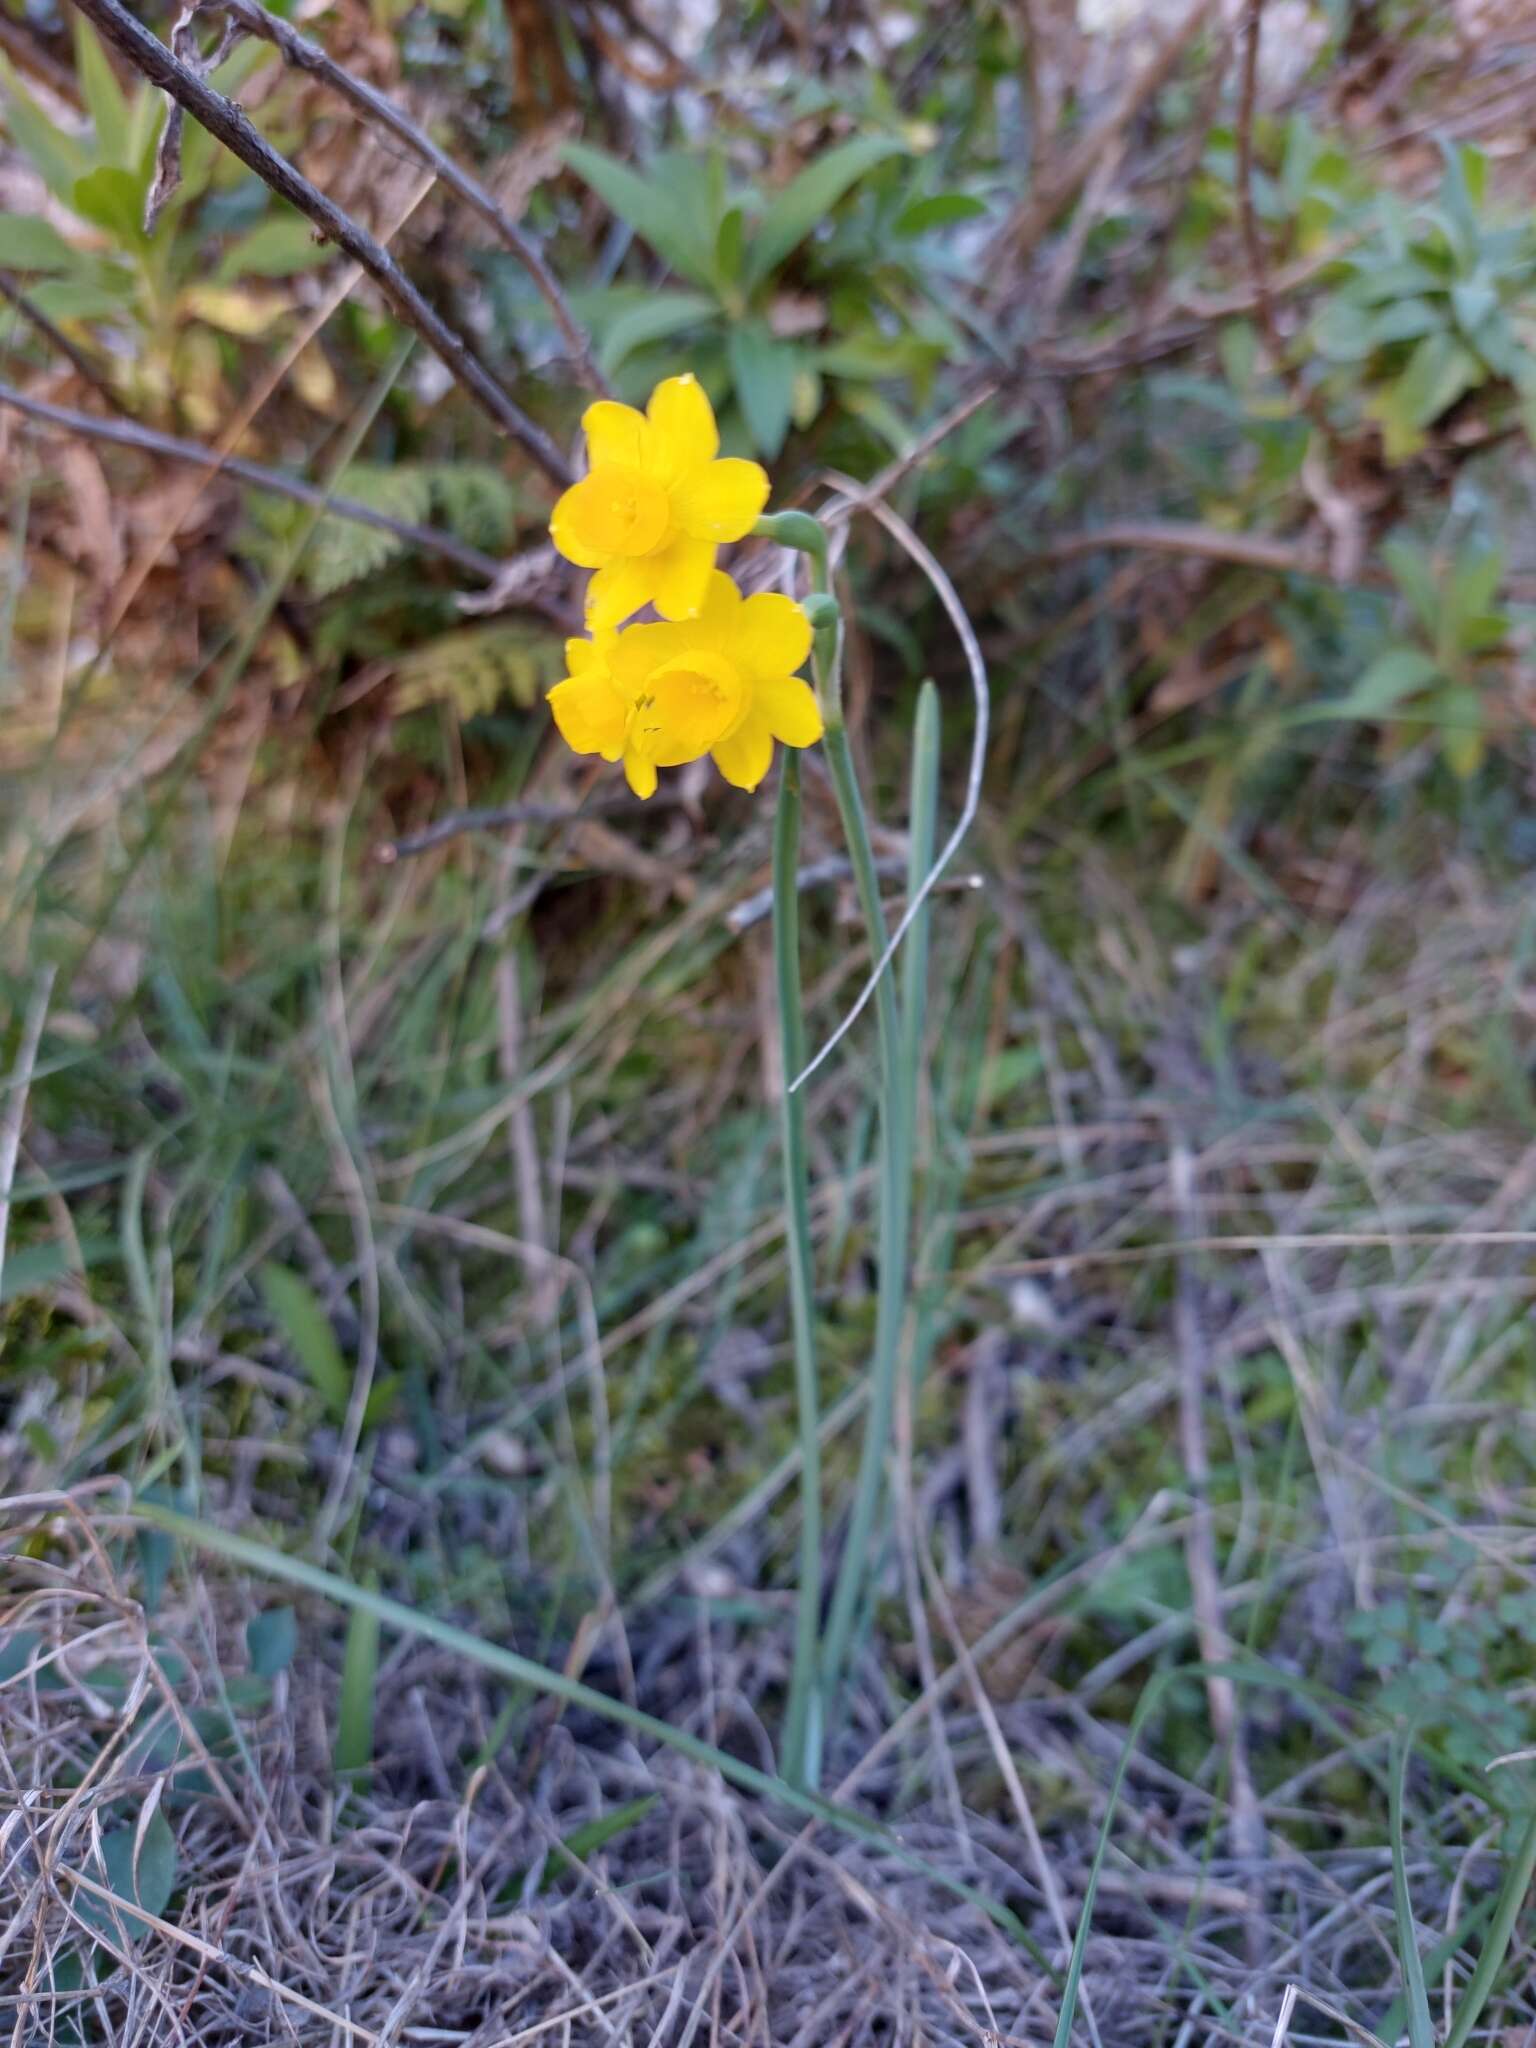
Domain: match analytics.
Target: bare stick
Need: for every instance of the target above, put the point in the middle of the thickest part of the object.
(25, 47)
(127, 434)
(527, 812)
(1066, 182)
(1209, 543)
(77, 359)
(233, 127)
(304, 55)
(14, 1114)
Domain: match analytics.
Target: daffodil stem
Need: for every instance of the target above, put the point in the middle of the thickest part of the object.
(895, 1196)
(802, 1729)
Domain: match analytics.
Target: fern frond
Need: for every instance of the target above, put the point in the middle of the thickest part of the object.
(475, 667)
(342, 551)
(476, 503)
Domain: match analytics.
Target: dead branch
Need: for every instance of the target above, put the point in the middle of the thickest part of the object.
(492, 817)
(127, 434)
(1061, 186)
(76, 357)
(232, 126)
(297, 50)
(1209, 543)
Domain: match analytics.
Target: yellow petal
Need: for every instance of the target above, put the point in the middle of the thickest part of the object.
(640, 775)
(566, 530)
(722, 604)
(788, 708)
(684, 436)
(612, 512)
(679, 577)
(747, 755)
(619, 589)
(638, 651)
(590, 714)
(721, 500)
(616, 434)
(772, 635)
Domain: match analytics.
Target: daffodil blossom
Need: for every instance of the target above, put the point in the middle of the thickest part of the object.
(654, 504)
(723, 684)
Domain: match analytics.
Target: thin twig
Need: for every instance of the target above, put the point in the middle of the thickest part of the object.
(76, 357)
(232, 126)
(304, 55)
(1337, 510)
(24, 45)
(530, 812)
(1062, 184)
(1179, 537)
(128, 434)
(976, 664)
(14, 1114)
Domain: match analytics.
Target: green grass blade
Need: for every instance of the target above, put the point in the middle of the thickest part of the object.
(922, 816)
(359, 1689)
(894, 1205)
(802, 1718)
(1421, 2031)
(508, 1664)
(1517, 1882)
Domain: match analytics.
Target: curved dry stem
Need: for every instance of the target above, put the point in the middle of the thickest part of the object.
(928, 562)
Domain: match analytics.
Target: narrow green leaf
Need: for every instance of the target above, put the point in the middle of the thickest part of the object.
(293, 1306)
(1414, 575)
(112, 199)
(1390, 678)
(509, 1664)
(359, 1684)
(763, 372)
(270, 1641)
(1518, 1872)
(140, 1866)
(28, 243)
(104, 99)
(59, 159)
(939, 210)
(730, 245)
(586, 1840)
(654, 319)
(809, 198)
(646, 207)
(1421, 2031)
(280, 246)
(38, 1265)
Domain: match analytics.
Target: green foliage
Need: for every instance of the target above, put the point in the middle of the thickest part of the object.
(294, 1307)
(1443, 677)
(1449, 1667)
(1429, 305)
(353, 1751)
(478, 667)
(473, 501)
(138, 1863)
(839, 246)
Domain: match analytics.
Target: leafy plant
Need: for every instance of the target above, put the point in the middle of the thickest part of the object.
(857, 313)
(1435, 302)
(186, 304)
(1439, 672)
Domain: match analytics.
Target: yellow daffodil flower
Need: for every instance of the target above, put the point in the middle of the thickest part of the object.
(723, 684)
(654, 504)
